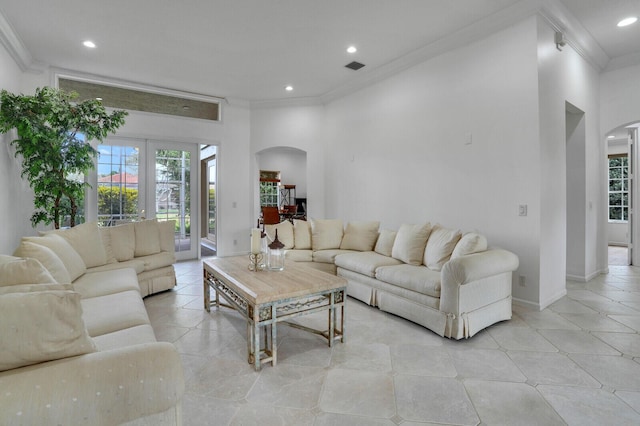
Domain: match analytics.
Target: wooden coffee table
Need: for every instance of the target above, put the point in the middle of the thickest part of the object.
(266, 298)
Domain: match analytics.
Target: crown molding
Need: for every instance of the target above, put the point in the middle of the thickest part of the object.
(288, 102)
(16, 48)
(631, 60)
(560, 19)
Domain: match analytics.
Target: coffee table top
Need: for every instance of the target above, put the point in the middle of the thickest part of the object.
(268, 286)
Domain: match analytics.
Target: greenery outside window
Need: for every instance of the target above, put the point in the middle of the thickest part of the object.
(618, 187)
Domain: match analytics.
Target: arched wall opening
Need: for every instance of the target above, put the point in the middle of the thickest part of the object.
(290, 162)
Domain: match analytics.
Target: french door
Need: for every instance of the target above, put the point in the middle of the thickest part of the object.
(143, 179)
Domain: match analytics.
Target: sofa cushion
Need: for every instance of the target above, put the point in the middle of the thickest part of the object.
(41, 326)
(384, 244)
(302, 234)
(17, 270)
(72, 261)
(123, 241)
(470, 243)
(410, 243)
(46, 257)
(112, 312)
(326, 234)
(86, 240)
(147, 235)
(167, 229)
(31, 288)
(328, 256)
(105, 235)
(440, 246)
(360, 236)
(365, 262)
(412, 277)
(285, 233)
(136, 264)
(156, 261)
(299, 255)
(101, 283)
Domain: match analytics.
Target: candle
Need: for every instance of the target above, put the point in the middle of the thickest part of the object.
(255, 241)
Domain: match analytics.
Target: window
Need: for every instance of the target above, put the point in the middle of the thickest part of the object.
(117, 184)
(618, 187)
(269, 183)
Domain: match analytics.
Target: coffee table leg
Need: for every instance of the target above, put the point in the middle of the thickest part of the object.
(249, 342)
(274, 337)
(207, 296)
(332, 318)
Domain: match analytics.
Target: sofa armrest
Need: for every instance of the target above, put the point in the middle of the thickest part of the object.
(100, 388)
(488, 268)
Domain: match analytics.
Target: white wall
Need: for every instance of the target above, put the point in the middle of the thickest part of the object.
(16, 198)
(397, 150)
(300, 127)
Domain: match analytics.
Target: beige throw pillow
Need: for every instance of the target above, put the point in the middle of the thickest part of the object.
(41, 326)
(72, 261)
(410, 243)
(440, 246)
(147, 237)
(105, 234)
(302, 234)
(46, 257)
(17, 270)
(285, 233)
(326, 233)
(86, 240)
(360, 236)
(123, 241)
(384, 245)
(470, 243)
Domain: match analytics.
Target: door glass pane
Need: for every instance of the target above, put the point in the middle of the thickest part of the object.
(117, 184)
(211, 223)
(173, 193)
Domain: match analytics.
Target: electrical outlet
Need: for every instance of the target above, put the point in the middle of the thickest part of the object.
(521, 281)
(522, 210)
(235, 242)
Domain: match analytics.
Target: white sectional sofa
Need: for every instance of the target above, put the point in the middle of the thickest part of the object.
(77, 344)
(440, 278)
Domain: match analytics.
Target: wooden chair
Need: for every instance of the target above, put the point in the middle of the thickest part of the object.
(270, 215)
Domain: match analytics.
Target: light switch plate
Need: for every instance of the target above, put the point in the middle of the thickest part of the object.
(522, 210)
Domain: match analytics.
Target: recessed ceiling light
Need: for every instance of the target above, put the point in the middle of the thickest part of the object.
(628, 21)
(89, 43)
(611, 137)
(288, 88)
(352, 49)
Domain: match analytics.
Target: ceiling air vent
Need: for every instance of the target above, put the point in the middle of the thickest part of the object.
(354, 65)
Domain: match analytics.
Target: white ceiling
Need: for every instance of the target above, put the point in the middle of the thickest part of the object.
(251, 49)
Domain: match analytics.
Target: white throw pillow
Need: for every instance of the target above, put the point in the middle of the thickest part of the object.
(440, 246)
(105, 234)
(70, 258)
(17, 270)
(86, 240)
(301, 234)
(470, 243)
(360, 236)
(326, 233)
(285, 233)
(147, 237)
(123, 241)
(46, 257)
(384, 245)
(41, 326)
(167, 229)
(410, 243)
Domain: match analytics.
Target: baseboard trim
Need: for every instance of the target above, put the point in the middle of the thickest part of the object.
(553, 298)
(585, 278)
(526, 303)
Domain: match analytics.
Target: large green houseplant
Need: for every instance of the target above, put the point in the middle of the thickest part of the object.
(53, 141)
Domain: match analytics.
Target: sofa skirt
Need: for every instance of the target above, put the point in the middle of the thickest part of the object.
(157, 280)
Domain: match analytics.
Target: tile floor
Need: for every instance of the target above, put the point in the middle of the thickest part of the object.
(577, 363)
